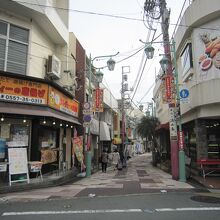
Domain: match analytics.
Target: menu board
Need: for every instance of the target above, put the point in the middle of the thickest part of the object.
(18, 163)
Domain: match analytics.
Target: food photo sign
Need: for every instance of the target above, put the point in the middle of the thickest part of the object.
(207, 51)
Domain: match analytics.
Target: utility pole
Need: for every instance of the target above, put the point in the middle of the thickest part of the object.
(124, 88)
(157, 9)
(165, 15)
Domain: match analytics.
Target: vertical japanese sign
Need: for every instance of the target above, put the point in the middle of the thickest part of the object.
(173, 126)
(181, 140)
(168, 81)
(98, 100)
(168, 90)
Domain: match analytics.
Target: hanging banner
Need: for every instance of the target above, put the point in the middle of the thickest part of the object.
(168, 87)
(168, 90)
(98, 100)
(78, 147)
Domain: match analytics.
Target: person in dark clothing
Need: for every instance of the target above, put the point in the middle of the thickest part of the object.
(104, 161)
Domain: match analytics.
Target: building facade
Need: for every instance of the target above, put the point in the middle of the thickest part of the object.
(37, 81)
(197, 55)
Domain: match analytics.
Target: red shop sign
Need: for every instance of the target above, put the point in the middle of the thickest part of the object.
(168, 81)
(181, 140)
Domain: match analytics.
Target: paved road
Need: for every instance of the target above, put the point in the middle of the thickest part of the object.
(139, 177)
(151, 206)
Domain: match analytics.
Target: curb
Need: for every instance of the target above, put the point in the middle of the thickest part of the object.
(69, 177)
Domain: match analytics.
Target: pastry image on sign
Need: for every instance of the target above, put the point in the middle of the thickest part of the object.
(206, 64)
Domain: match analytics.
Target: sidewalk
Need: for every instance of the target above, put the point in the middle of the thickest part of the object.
(139, 177)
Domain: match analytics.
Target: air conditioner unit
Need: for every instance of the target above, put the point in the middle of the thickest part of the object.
(54, 67)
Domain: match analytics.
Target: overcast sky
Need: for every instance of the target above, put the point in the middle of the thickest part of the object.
(101, 30)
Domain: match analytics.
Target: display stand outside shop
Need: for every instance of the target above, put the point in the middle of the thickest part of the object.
(18, 165)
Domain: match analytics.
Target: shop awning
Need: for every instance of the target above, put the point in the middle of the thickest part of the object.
(104, 132)
(94, 127)
(35, 110)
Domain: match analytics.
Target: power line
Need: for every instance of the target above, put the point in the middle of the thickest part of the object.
(140, 78)
(115, 16)
(178, 18)
(147, 92)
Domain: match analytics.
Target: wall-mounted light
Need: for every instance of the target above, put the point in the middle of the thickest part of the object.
(71, 126)
(2, 118)
(54, 123)
(44, 121)
(61, 124)
(24, 120)
(67, 125)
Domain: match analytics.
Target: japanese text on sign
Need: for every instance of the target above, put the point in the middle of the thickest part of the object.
(24, 91)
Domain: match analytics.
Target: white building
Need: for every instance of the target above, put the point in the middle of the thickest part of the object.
(197, 52)
(36, 64)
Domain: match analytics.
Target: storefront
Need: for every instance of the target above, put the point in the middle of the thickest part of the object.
(94, 130)
(39, 116)
(202, 140)
(105, 137)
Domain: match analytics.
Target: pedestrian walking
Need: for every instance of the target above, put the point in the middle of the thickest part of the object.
(115, 158)
(104, 161)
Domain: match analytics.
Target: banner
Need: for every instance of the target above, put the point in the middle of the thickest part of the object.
(78, 147)
(97, 100)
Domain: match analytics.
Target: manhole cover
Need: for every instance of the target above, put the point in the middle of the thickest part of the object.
(207, 199)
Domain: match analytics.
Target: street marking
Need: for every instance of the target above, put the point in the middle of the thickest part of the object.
(72, 212)
(188, 209)
(97, 211)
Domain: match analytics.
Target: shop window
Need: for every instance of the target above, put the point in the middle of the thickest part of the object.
(13, 48)
(186, 59)
(13, 133)
(47, 145)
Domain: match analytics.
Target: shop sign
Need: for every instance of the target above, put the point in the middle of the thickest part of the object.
(168, 90)
(181, 140)
(173, 126)
(62, 103)
(23, 91)
(168, 87)
(98, 100)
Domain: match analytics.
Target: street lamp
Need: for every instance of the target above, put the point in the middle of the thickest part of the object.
(164, 63)
(111, 64)
(99, 75)
(149, 51)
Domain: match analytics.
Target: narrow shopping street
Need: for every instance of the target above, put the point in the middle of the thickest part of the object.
(139, 177)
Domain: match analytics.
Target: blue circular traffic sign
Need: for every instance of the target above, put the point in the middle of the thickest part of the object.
(184, 93)
(87, 118)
